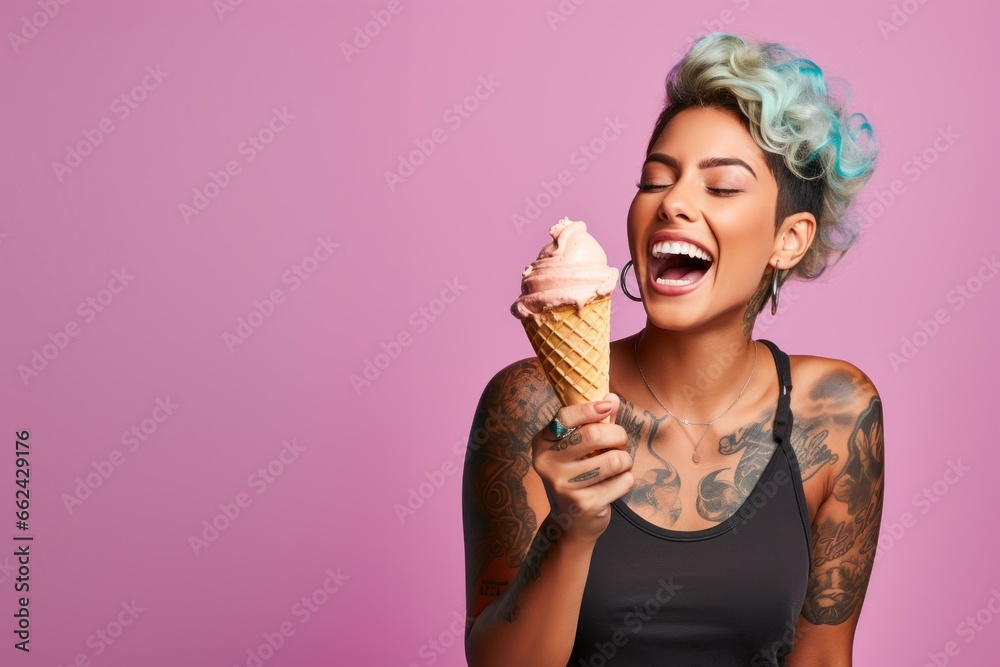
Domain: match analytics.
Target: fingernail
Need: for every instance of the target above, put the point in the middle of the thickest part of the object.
(604, 406)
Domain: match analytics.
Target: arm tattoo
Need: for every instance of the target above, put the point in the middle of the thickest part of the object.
(844, 545)
(499, 523)
(811, 450)
(492, 588)
(835, 390)
(590, 474)
(861, 479)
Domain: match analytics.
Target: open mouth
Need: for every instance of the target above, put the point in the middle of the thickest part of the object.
(678, 263)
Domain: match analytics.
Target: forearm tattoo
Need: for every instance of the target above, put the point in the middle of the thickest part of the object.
(507, 607)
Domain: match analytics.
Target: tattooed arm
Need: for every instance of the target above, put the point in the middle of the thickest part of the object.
(499, 520)
(844, 535)
(521, 584)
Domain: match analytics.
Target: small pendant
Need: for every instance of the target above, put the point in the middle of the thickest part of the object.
(696, 457)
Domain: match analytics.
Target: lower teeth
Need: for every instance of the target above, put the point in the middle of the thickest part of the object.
(667, 281)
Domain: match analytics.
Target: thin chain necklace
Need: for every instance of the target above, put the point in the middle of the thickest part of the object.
(695, 456)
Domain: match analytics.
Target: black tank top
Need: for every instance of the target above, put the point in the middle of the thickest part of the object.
(727, 595)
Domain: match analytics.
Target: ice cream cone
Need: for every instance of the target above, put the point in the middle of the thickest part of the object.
(565, 308)
(574, 349)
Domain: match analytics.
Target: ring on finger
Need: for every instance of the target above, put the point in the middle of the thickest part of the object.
(557, 429)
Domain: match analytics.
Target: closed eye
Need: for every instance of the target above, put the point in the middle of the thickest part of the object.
(651, 187)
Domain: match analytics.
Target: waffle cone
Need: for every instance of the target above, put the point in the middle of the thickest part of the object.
(574, 349)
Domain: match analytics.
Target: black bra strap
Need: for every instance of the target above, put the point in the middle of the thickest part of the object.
(783, 417)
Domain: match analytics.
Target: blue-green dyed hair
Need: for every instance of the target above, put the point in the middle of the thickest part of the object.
(820, 156)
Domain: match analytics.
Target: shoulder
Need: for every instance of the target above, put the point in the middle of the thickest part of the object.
(524, 374)
(516, 402)
(519, 390)
(833, 385)
(840, 399)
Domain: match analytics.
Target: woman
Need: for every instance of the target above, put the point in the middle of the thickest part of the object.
(703, 513)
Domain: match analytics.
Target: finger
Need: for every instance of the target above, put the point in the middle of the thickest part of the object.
(594, 500)
(569, 444)
(591, 471)
(612, 418)
(572, 416)
(616, 402)
(587, 440)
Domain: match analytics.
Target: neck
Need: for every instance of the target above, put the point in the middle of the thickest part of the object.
(696, 374)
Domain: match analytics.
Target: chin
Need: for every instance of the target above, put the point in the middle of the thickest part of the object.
(674, 318)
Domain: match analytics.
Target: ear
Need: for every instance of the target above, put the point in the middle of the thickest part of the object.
(793, 239)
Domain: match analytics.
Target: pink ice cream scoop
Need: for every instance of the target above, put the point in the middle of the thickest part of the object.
(570, 270)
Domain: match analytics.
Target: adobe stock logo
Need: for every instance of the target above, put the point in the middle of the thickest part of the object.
(455, 116)
(899, 17)
(264, 310)
(581, 158)
(420, 320)
(363, 35)
(959, 297)
(122, 107)
(104, 468)
(103, 637)
(229, 512)
(60, 340)
(223, 7)
(249, 148)
(304, 609)
(30, 27)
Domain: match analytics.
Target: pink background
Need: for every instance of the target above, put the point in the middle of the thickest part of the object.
(362, 449)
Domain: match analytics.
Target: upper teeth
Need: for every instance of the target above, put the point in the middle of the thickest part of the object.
(664, 248)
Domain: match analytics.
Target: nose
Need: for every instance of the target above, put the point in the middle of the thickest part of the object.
(678, 204)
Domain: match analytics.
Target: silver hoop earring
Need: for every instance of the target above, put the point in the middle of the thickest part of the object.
(774, 289)
(625, 269)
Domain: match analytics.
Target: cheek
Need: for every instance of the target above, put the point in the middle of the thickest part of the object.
(634, 210)
(745, 236)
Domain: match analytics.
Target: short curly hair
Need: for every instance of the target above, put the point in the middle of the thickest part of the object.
(820, 156)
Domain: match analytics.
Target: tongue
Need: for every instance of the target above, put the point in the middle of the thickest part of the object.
(682, 273)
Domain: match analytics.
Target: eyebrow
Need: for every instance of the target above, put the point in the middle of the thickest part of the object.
(707, 163)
